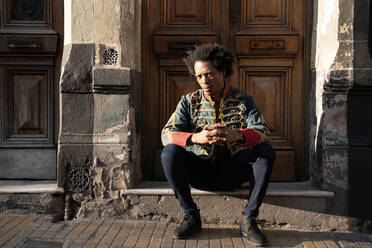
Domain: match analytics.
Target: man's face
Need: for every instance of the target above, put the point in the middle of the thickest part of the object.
(209, 79)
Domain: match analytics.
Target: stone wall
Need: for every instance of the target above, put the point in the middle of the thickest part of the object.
(341, 130)
(35, 203)
(98, 148)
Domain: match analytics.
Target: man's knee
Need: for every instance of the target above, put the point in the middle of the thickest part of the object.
(265, 150)
(171, 149)
(170, 152)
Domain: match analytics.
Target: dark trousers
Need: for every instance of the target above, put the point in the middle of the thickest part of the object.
(184, 169)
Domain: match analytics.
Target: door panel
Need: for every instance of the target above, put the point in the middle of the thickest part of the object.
(176, 82)
(28, 107)
(267, 44)
(270, 89)
(27, 13)
(30, 55)
(268, 13)
(184, 16)
(28, 163)
(185, 13)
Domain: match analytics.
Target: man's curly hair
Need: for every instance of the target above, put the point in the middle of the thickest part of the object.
(221, 59)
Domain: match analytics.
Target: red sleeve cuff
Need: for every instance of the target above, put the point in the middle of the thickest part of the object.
(252, 137)
(180, 138)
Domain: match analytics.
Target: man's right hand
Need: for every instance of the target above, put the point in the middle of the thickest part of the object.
(210, 134)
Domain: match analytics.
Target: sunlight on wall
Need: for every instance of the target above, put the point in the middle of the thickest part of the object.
(326, 48)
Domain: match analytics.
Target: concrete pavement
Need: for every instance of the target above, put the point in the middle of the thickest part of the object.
(37, 231)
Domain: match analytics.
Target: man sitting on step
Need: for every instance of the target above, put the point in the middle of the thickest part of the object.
(216, 139)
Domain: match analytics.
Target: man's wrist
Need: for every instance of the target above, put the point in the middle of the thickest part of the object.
(193, 139)
(189, 140)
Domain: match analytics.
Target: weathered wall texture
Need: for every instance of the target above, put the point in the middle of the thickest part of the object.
(324, 50)
(36, 203)
(99, 150)
(332, 62)
(340, 135)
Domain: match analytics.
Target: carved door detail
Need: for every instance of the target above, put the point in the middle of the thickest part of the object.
(266, 37)
(30, 55)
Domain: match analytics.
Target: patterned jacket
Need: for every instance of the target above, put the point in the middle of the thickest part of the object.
(237, 110)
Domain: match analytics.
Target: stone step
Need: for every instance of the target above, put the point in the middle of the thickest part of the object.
(293, 189)
(31, 196)
(29, 186)
(286, 205)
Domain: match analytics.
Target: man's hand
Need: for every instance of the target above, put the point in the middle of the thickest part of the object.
(214, 134)
(210, 134)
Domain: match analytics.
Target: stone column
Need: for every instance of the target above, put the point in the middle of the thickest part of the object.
(340, 90)
(99, 149)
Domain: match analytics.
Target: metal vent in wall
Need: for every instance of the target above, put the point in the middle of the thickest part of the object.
(110, 56)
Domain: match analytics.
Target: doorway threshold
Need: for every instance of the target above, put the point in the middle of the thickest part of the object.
(30, 186)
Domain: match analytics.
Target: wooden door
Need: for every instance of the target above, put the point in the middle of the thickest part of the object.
(30, 54)
(266, 37)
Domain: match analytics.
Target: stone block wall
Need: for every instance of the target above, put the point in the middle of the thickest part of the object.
(341, 130)
(35, 203)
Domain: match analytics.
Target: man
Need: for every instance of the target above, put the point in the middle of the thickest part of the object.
(216, 140)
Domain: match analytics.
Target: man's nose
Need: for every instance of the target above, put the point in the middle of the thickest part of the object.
(205, 79)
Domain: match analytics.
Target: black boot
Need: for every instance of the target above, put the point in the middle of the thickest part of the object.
(191, 224)
(249, 229)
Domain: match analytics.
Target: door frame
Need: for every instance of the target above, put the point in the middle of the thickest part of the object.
(307, 72)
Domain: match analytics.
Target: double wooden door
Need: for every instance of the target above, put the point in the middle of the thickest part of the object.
(30, 54)
(267, 38)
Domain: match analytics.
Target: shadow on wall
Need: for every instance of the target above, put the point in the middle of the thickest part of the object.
(359, 118)
(360, 154)
(342, 156)
(345, 170)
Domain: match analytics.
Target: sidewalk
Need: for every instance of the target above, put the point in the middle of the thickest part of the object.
(34, 231)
